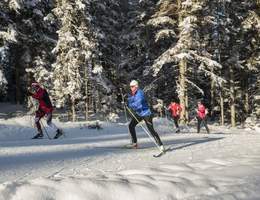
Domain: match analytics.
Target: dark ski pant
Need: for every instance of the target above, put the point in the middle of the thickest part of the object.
(38, 115)
(149, 123)
(204, 122)
(176, 121)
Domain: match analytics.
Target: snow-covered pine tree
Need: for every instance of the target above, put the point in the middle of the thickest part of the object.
(251, 57)
(25, 34)
(187, 52)
(68, 68)
(80, 76)
(233, 57)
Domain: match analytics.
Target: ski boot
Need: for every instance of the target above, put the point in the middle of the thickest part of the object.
(38, 136)
(131, 146)
(58, 134)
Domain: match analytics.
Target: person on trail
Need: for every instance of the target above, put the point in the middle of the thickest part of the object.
(202, 116)
(45, 109)
(139, 111)
(175, 110)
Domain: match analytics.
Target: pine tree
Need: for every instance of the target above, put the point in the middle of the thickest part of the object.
(187, 52)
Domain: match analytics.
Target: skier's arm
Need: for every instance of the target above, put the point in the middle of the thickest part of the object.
(137, 102)
(29, 93)
(206, 111)
(38, 95)
(179, 109)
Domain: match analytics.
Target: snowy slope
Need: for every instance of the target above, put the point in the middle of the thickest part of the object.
(89, 164)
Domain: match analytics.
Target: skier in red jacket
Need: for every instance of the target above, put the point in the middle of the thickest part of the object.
(45, 109)
(202, 116)
(175, 110)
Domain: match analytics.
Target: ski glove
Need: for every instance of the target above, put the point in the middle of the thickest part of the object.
(29, 93)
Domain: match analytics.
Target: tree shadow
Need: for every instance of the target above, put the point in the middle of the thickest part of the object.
(190, 143)
(81, 136)
(38, 158)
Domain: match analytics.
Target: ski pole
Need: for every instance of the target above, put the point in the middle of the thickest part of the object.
(123, 101)
(126, 118)
(145, 130)
(45, 130)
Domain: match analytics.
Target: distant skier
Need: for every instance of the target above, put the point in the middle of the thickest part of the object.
(140, 111)
(45, 109)
(202, 116)
(175, 110)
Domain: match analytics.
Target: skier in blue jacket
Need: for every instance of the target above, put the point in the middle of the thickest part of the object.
(140, 111)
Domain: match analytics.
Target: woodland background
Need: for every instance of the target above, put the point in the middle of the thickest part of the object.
(85, 52)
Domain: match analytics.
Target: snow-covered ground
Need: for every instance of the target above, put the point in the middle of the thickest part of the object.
(90, 164)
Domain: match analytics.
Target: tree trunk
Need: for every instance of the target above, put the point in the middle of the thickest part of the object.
(183, 92)
(257, 98)
(186, 103)
(86, 93)
(222, 119)
(99, 106)
(212, 92)
(245, 100)
(246, 94)
(232, 97)
(94, 105)
(73, 110)
(17, 84)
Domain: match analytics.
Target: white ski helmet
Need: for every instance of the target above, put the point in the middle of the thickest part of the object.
(133, 83)
(35, 85)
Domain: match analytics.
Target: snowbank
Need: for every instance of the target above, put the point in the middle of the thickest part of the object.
(212, 179)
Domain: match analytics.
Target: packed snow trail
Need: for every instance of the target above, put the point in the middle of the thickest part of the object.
(89, 164)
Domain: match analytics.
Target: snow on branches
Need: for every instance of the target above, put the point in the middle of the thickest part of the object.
(10, 35)
(161, 21)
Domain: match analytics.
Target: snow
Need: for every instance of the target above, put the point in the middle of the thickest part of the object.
(89, 163)
(164, 34)
(161, 21)
(3, 81)
(10, 35)
(15, 5)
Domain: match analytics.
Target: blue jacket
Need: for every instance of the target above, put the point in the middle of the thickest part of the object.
(139, 104)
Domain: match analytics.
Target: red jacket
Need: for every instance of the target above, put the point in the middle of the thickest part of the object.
(44, 100)
(201, 112)
(175, 109)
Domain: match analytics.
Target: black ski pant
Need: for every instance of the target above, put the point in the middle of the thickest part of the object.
(149, 123)
(176, 121)
(204, 122)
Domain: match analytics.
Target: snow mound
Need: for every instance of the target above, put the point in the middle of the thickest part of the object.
(180, 181)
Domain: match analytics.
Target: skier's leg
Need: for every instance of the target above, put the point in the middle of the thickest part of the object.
(206, 125)
(49, 121)
(149, 123)
(176, 119)
(59, 132)
(175, 122)
(38, 115)
(132, 131)
(199, 122)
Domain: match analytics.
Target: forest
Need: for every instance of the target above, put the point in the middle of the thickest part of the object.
(85, 53)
